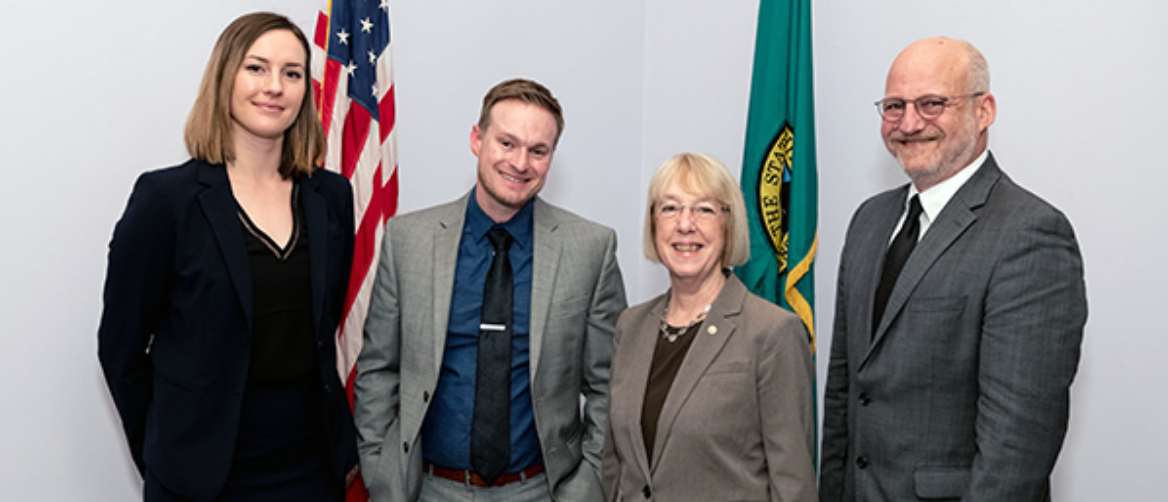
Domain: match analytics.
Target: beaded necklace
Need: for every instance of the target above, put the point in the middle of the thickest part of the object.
(668, 332)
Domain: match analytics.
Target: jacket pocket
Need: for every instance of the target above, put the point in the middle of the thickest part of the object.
(174, 380)
(937, 304)
(941, 482)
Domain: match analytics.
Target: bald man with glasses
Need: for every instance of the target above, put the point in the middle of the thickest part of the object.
(959, 312)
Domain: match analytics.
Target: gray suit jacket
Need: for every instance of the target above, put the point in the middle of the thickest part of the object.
(962, 393)
(737, 423)
(577, 294)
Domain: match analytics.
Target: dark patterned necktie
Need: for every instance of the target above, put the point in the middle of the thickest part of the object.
(898, 253)
(490, 444)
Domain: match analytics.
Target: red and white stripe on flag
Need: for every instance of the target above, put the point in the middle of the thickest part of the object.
(353, 85)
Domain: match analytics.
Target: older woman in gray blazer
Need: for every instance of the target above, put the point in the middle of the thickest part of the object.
(711, 385)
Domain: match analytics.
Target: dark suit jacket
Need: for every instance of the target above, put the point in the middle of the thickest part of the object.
(175, 331)
(737, 423)
(962, 393)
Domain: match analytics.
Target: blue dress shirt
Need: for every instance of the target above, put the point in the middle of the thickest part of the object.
(447, 428)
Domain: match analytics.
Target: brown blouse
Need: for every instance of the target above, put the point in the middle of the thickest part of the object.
(667, 359)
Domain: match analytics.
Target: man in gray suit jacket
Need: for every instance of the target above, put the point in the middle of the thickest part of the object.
(420, 433)
(958, 389)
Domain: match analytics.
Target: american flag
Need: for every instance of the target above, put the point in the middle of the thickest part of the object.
(351, 59)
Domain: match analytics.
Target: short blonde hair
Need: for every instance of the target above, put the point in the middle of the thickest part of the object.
(208, 133)
(701, 175)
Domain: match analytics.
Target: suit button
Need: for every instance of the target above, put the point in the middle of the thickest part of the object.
(406, 447)
(328, 388)
(646, 491)
(862, 462)
(864, 399)
(426, 397)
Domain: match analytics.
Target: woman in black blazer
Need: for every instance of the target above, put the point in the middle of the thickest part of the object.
(227, 278)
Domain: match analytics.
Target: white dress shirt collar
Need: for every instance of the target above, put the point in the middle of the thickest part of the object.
(934, 199)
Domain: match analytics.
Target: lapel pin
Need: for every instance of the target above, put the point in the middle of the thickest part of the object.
(712, 330)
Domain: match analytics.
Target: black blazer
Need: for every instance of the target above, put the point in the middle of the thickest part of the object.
(175, 331)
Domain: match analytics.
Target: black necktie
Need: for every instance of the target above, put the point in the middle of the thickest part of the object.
(490, 443)
(898, 253)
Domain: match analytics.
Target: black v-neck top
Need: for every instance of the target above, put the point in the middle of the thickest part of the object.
(282, 348)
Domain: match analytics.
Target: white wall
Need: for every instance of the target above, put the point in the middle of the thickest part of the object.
(1081, 102)
(98, 92)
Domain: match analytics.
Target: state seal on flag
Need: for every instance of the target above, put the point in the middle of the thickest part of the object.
(774, 188)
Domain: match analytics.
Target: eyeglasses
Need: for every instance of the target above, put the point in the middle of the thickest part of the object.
(928, 107)
(700, 212)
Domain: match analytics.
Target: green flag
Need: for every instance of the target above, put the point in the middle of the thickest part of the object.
(778, 165)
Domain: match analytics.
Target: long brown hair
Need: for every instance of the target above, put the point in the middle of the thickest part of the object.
(209, 129)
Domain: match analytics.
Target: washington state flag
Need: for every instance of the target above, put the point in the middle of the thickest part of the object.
(778, 165)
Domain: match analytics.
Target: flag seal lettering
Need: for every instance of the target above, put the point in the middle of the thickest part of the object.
(774, 188)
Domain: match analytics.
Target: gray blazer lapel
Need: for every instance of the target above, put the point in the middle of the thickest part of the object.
(641, 341)
(219, 206)
(954, 219)
(446, 237)
(546, 262)
(710, 339)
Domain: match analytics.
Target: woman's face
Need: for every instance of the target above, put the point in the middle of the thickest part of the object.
(269, 86)
(690, 234)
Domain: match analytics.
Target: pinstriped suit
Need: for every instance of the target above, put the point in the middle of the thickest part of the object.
(962, 392)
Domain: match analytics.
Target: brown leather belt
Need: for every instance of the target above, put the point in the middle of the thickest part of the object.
(473, 478)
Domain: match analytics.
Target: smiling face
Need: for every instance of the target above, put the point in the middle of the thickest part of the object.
(515, 152)
(931, 151)
(690, 234)
(269, 87)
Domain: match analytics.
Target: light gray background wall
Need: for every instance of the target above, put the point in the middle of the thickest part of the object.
(97, 92)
